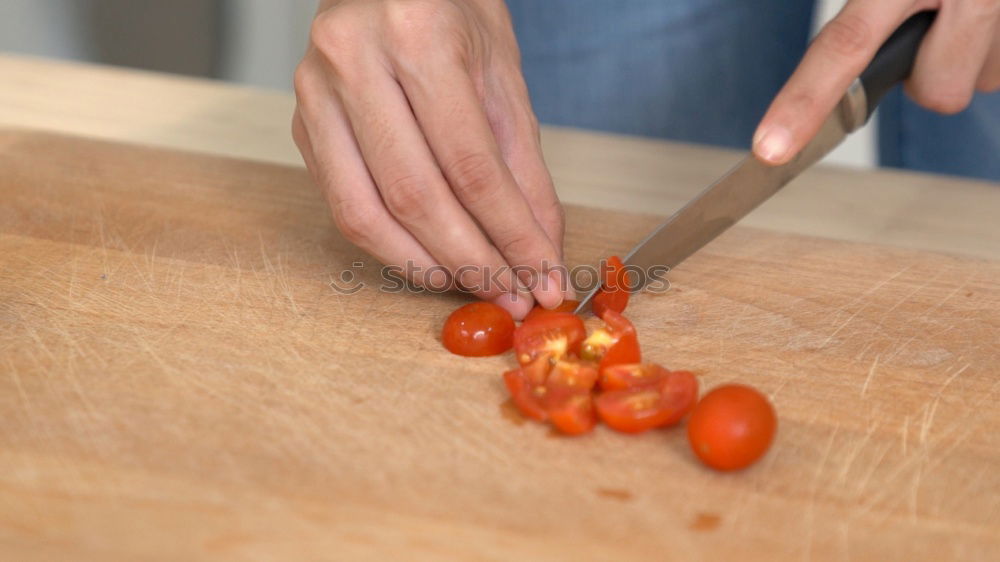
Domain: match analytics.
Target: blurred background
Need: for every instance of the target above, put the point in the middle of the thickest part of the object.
(251, 42)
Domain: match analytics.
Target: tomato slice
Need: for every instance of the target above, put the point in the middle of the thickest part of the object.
(555, 335)
(614, 289)
(643, 408)
(527, 395)
(566, 306)
(478, 329)
(631, 375)
(614, 344)
(570, 410)
(573, 374)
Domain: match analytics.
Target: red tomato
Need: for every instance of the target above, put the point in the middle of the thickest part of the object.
(566, 306)
(478, 329)
(614, 289)
(570, 411)
(555, 335)
(642, 408)
(732, 427)
(614, 344)
(631, 375)
(527, 395)
(573, 374)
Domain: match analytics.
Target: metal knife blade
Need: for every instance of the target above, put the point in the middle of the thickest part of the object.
(738, 192)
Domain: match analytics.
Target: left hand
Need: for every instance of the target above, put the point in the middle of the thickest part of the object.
(960, 54)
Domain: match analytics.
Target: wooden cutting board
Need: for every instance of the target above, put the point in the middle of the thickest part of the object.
(178, 380)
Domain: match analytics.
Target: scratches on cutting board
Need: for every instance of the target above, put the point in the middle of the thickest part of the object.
(871, 375)
(861, 299)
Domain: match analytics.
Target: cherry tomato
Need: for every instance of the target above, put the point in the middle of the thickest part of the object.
(566, 306)
(614, 344)
(573, 374)
(478, 329)
(527, 395)
(571, 411)
(631, 375)
(643, 408)
(614, 289)
(732, 427)
(555, 334)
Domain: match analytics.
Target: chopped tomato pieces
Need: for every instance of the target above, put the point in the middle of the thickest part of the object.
(566, 306)
(572, 380)
(638, 409)
(573, 374)
(555, 335)
(526, 394)
(614, 344)
(631, 375)
(571, 411)
(614, 291)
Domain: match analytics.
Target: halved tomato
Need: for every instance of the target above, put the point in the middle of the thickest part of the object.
(573, 374)
(614, 289)
(554, 335)
(643, 408)
(566, 306)
(478, 329)
(614, 344)
(571, 411)
(631, 375)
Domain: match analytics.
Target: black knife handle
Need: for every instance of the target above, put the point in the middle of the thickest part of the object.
(894, 61)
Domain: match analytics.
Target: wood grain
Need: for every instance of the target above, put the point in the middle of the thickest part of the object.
(178, 380)
(592, 169)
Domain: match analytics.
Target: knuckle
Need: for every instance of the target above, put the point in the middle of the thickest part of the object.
(802, 101)
(474, 176)
(518, 246)
(334, 33)
(417, 29)
(984, 9)
(299, 134)
(407, 196)
(354, 220)
(944, 101)
(303, 78)
(988, 83)
(847, 35)
(556, 216)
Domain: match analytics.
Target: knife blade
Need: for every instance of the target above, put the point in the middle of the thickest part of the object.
(752, 182)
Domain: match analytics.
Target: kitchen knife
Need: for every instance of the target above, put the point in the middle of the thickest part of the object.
(752, 182)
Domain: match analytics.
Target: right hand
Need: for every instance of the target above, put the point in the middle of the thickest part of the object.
(414, 119)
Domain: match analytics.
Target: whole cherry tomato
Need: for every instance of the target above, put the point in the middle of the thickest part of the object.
(732, 427)
(478, 329)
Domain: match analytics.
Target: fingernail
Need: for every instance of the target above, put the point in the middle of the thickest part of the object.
(772, 144)
(549, 292)
(518, 305)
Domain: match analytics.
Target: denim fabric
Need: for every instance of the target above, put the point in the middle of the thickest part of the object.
(705, 71)
(966, 144)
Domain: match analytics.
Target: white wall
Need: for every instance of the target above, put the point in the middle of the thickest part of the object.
(859, 149)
